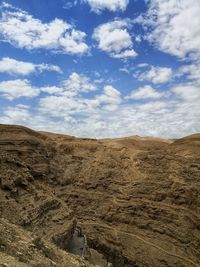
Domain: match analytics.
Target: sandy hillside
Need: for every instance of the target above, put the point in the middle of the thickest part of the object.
(137, 200)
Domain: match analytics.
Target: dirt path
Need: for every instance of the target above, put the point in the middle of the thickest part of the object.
(146, 242)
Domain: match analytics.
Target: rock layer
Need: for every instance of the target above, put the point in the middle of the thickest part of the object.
(136, 199)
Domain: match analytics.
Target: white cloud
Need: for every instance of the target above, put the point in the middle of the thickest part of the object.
(12, 66)
(112, 5)
(68, 98)
(22, 30)
(174, 27)
(48, 67)
(126, 54)
(187, 92)
(67, 108)
(60, 106)
(71, 108)
(114, 39)
(77, 83)
(124, 69)
(156, 75)
(68, 4)
(191, 71)
(18, 115)
(17, 88)
(153, 107)
(146, 92)
(21, 114)
(142, 65)
(138, 39)
(170, 117)
(5, 5)
(110, 99)
(52, 90)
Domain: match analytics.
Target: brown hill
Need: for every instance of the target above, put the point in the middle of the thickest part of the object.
(136, 200)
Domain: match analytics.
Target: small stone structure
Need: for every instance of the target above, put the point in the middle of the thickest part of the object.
(78, 246)
(78, 243)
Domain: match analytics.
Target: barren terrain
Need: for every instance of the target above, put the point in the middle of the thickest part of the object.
(136, 200)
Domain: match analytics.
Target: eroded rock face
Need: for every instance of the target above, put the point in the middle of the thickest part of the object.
(136, 199)
(19, 247)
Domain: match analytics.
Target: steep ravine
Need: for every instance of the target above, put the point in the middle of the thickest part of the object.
(136, 199)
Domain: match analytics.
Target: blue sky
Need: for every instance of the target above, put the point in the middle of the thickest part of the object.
(100, 68)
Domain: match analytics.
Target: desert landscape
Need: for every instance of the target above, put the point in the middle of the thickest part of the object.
(73, 202)
(100, 133)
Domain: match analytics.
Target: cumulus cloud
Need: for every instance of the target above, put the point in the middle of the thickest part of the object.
(110, 95)
(192, 72)
(94, 108)
(17, 115)
(24, 31)
(93, 118)
(77, 83)
(112, 5)
(174, 27)
(146, 92)
(68, 108)
(187, 92)
(114, 39)
(21, 114)
(60, 106)
(17, 88)
(52, 90)
(126, 54)
(156, 75)
(110, 115)
(84, 117)
(68, 98)
(48, 67)
(110, 99)
(12, 66)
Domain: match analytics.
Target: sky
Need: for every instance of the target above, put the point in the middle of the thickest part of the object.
(101, 68)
